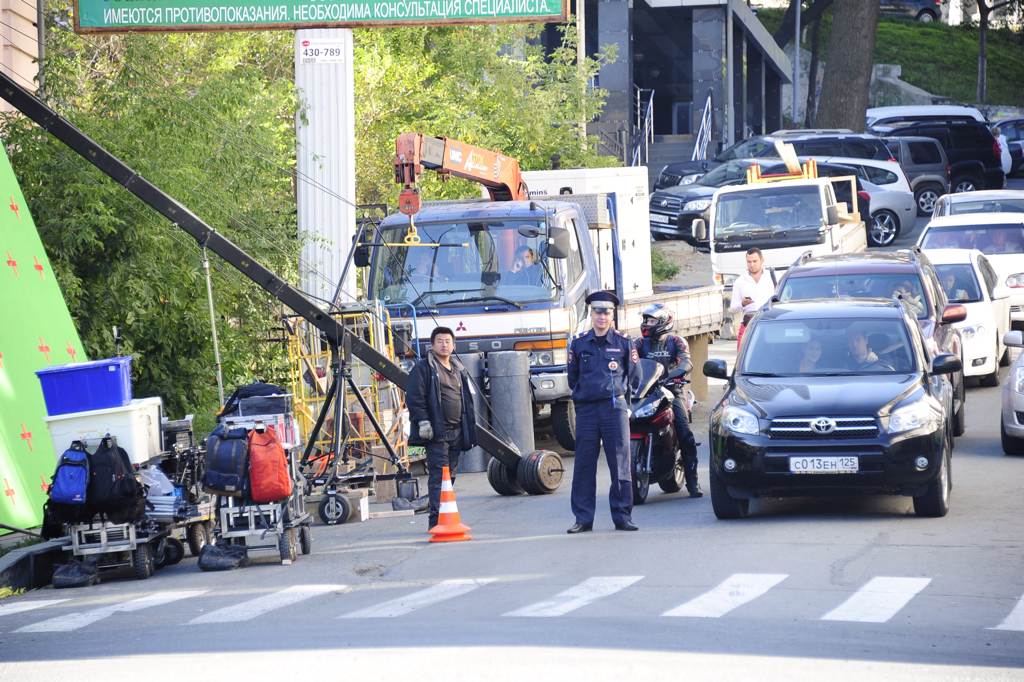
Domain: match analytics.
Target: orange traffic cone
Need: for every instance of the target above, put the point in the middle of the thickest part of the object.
(449, 528)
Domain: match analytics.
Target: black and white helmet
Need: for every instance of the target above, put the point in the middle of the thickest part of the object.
(657, 321)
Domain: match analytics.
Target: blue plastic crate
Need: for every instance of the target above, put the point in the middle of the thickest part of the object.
(85, 386)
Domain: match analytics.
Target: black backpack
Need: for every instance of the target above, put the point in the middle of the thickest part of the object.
(227, 454)
(113, 490)
(249, 391)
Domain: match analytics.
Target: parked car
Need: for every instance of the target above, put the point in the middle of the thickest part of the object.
(882, 119)
(802, 415)
(882, 275)
(924, 162)
(892, 201)
(1013, 129)
(1000, 236)
(673, 209)
(990, 201)
(1011, 418)
(969, 279)
(922, 10)
(805, 142)
(970, 148)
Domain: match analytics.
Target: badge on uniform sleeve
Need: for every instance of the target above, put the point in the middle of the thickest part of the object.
(613, 365)
(570, 356)
(633, 356)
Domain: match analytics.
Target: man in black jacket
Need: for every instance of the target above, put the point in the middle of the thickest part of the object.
(440, 399)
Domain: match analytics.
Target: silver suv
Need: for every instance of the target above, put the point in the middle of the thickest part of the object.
(925, 164)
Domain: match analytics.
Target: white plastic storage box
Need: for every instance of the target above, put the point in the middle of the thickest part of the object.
(136, 427)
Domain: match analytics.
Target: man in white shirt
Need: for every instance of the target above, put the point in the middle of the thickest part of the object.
(752, 290)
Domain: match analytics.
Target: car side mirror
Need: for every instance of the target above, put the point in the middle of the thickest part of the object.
(947, 363)
(833, 214)
(558, 242)
(716, 369)
(361, 257)
(1000, 291)
(1013, 339)
(954, 313)
(699, 229)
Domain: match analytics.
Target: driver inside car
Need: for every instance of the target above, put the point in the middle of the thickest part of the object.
(860, 357)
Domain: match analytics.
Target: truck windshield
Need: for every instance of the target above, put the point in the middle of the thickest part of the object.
(768, 212)
(479, 261)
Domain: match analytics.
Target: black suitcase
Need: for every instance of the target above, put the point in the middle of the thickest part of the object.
(226, 458)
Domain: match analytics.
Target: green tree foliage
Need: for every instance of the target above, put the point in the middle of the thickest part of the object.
(208, 118)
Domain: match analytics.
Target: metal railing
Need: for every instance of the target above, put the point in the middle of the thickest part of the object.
(643, 136)
(700, 147)
(609, 144)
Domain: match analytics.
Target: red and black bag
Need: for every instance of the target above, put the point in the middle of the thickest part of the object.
(268, 467)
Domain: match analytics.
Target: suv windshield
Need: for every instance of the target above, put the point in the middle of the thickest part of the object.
(744, 149)
(731, 173)
(882, 285)
(823, 347)
(990, 239)
(478, 261)
(959, 282)
(768, 212)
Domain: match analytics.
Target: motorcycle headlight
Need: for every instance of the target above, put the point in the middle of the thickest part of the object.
(1015, 281)
(646, 411)
(971, 332)
(739, 421)
(1018, 381)
(920, 415)
(690, 179)
(697, 205)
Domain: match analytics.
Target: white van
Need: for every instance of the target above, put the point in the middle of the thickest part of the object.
(884, 119)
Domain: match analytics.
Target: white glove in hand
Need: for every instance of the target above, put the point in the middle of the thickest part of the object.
(426, 430)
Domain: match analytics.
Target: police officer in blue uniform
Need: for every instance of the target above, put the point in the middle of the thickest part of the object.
(603, 371)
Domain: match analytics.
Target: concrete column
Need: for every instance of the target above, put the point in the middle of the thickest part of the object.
(739, 83)
(698, 356)
(475, 459)
(709, 64)
(755, 90)
(772, 101)
(511, 401)
(614, 27)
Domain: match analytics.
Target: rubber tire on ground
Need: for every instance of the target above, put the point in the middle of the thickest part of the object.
(963, 183)
(306, 539)
(287, 544)
(935, 502)
(504, 480)
(160, 554)
(991, 379)
(925, 16)
(563, 422)
(884, 229)
(675, 482)
(960, 418)
(174, 551)
(335, 512)
(925, 197)
(1004, 359)
(143, 561)
(641, 482)
(1014, 447)
(197, 535)
(540, 472)
(724, 505)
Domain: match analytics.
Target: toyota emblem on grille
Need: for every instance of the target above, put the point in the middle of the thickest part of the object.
(664, 202)
(823, 425)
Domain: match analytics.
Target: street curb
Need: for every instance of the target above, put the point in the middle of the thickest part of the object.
(31, 567)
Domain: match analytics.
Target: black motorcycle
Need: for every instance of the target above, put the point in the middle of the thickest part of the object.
(655, 456)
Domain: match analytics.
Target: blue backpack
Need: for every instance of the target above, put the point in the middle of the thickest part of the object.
(72, 476)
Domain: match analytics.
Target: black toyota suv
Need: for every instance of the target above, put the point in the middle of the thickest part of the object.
(881, 275)
(971, 150)
(808, 411)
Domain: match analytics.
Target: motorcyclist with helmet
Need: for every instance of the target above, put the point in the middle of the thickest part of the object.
(658, 343)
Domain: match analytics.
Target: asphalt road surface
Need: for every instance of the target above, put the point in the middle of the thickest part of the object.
(848, 588)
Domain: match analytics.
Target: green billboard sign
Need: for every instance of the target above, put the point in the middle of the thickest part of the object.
(122, 16)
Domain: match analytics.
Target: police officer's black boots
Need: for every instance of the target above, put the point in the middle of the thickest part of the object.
(690, 473)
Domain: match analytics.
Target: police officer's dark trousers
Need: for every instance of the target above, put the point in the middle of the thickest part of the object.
(441, 454)
(687, 443)
(599, 423)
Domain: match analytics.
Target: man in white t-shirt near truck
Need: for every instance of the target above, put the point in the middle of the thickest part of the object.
(752, 290)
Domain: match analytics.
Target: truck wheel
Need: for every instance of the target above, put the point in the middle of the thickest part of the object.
(504, 480)
(724, 505)
(334, 509)
(925, 197)
(641, 481)
(142, 558)
(1014, 447)
(198, 536)
(563, 421)
(935, 502)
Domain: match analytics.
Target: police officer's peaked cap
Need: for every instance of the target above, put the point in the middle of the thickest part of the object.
(603, 300)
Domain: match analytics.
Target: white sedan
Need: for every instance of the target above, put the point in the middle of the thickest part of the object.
(1011, 421)
(893, 207)
(969, 279)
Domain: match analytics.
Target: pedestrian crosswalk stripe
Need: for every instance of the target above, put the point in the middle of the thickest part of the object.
(417, 600)
(74, 621)
(261, 605)
(1014, 621)
(736, 590)
(21, 607)
(879, 600)
(575, 597)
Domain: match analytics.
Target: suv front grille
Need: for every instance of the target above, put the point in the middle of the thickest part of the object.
(661, 202)
(669, 179)
(802, 427)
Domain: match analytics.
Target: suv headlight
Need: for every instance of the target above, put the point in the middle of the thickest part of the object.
(1018, 381)
(1015, 281)
(739, 421)
(690, 179)
(971, 332)
(697, 205)
(920, 415)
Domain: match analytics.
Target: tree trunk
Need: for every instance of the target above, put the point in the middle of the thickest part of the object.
(983, 13)
(812, 74)
(811, 13)
(851, 51)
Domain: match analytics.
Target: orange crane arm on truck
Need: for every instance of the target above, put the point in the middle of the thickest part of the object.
(416, 151)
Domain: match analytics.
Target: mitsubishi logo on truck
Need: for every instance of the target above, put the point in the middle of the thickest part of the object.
(461, 327)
